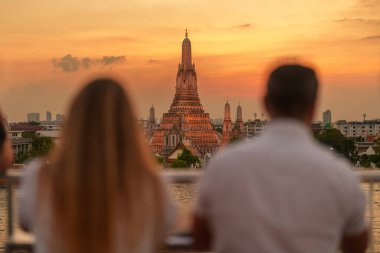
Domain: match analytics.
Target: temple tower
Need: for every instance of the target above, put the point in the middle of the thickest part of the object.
(186, 94)
(152, 118)
(227, 125)
(238, 129)
(239, 118)
(151, 122)
(186, 118)
(186, 52)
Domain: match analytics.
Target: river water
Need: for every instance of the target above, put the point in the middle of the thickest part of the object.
(184, 195)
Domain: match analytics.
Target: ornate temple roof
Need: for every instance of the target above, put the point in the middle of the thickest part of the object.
(186, 113)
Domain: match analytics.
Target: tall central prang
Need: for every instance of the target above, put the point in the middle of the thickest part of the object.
(186, 121)
(186, 94)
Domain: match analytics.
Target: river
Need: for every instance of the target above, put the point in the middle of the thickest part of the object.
(184, 195)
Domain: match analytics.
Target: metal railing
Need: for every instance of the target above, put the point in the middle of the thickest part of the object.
(176, 242)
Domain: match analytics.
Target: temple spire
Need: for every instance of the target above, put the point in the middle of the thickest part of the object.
(227, 125)
(152, 118)
(186, 52)
(239, 114)
(227, 113)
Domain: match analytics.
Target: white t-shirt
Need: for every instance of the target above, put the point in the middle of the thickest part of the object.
(42, 230)
(282, 192)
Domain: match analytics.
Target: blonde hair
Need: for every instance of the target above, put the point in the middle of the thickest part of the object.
(101, 167)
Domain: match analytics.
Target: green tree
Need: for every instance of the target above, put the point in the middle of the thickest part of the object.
(377, 141)
(159, 159)
(22, 157)
(179, 164)
(41, 146)
(219, 129)
(366, 160)
(188, 157)
(185, 160)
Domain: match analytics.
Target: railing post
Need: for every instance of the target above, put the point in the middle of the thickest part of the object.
(10, 210)
(371, 215)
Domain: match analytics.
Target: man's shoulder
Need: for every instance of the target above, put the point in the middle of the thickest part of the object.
(334, 167)
(330, 158)
(232, 158)
(255, 152)
(236, 152)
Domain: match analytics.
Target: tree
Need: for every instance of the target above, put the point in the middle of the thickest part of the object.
(22, 157)
(185, 160)
(219, 129)
(179, 164)
(159, 159)
(41, 146)
(377, 141)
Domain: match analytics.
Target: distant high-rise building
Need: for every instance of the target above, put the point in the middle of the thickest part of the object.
(48, 116)
(60, 117)
(327, 118)
(33, 117)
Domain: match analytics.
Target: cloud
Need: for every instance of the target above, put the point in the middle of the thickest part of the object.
(152, 61)
(67, 63)
(107, 60)
(374, 37)
(369, 3)
(359, 20)
(243, 26)
(86, 62)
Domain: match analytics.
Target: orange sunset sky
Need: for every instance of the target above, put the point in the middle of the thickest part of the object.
(49, 48)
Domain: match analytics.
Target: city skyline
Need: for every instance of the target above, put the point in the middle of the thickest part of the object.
(43, 63)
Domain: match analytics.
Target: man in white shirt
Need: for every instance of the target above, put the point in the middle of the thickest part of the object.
(282, 192)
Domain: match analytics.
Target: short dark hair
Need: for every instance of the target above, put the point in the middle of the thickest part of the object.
(292, 90)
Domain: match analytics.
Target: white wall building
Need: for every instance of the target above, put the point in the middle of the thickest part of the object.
(358, 129)
(253, 128)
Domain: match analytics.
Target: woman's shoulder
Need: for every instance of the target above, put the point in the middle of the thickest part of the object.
(28, 193)
(30, 178)
(32, 169)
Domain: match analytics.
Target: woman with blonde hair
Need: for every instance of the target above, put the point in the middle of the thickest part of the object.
(99, 190)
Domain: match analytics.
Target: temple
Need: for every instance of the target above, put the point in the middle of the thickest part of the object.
(186, 119)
